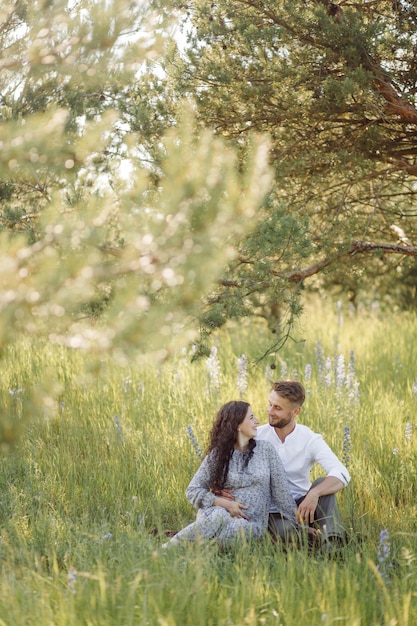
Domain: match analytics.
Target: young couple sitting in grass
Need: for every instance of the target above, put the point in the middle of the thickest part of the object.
(257, 479)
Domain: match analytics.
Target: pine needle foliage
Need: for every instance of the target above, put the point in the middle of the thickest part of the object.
(333, 87)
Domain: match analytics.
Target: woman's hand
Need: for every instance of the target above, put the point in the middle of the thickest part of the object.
(236, 509)
(233, 507)
(225, 493)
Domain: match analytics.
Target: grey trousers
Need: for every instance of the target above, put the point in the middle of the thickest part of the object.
(326, 518)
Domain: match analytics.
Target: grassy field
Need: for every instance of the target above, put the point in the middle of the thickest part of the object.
(96, 471)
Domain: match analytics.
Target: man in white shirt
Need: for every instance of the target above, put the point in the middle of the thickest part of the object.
(299, 449)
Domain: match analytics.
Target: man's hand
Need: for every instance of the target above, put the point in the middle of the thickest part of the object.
(305, 512)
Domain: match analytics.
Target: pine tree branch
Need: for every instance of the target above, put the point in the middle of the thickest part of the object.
(364, 246)
(358, 247)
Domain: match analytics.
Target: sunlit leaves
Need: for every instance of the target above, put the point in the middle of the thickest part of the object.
(114, 263)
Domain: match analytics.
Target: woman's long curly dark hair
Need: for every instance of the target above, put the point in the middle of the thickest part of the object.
(222, 441)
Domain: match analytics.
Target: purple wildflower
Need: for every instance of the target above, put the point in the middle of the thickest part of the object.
(307, 377)
(340, 370)
(320, 360)
(119, 431)
(328, 375)
(346, 447)
(194, 442)
(242, 373)
(384, 555)
(72, 579)
(214, 372)
(408, 431)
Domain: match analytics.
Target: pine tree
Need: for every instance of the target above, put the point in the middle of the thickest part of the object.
(334, 88)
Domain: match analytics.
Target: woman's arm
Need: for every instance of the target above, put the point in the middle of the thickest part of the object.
(280, 489)
(200, 495)
(198, 492)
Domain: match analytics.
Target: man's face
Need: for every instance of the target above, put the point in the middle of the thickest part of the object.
(281, 411)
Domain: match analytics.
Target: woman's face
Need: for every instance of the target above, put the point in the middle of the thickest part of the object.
(248, 428)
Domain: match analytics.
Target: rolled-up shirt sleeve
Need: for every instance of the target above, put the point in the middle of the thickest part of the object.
(198, 491)
(324, 456)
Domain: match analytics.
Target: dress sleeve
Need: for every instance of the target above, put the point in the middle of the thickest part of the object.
(280, 489)
(198, 491)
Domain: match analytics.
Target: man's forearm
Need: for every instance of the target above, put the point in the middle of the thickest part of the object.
(329, 485)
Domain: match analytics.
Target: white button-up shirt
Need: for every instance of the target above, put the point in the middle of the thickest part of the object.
(302, 449)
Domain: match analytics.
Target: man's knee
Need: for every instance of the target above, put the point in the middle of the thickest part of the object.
(317, 481)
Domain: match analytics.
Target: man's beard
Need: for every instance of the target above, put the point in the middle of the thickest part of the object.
(281, 423)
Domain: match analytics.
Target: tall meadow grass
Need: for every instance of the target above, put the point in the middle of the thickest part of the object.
(94, 473)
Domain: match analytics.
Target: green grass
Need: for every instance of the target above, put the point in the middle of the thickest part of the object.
(85, 495)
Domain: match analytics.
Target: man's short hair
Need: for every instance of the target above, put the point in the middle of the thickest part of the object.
(290, 389)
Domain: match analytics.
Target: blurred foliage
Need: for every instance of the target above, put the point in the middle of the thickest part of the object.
(103, 247)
